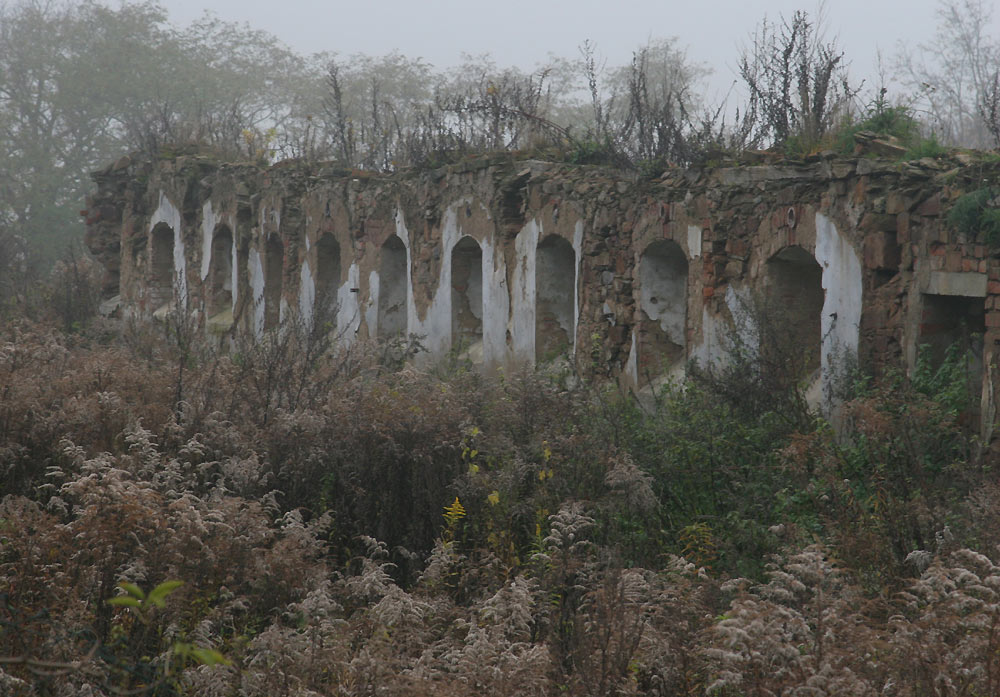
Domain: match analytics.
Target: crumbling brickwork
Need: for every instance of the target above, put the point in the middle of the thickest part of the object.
(520, 261)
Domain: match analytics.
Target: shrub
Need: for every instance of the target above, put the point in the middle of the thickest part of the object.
(977, 215)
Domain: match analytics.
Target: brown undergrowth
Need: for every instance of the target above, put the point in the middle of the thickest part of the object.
(342, 528)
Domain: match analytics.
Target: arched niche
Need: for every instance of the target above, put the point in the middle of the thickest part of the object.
(555, 298)
(466, 294)
(274, 261)
(327, 275)
(392, 288)
(161, 265)
(220, 272)
(663, 276)
(956, 323)
(790, 331)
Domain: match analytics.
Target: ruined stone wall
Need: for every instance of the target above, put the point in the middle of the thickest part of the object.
(523, 262)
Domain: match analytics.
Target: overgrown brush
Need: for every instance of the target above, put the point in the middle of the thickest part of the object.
(344, 527)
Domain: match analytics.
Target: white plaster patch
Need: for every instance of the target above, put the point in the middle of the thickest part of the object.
(235, 273)
(717, 333)
(307, 295)
(522, 320)
(255, 273)
(348, 306)
(411, 306)
(496, 306)
(208, 222)
(578, 253)
(694, 241)
(841, 319)
(166, 212)
(371, 309)
(436, 324)
(632, 364)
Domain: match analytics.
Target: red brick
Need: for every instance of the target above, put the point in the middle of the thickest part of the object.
(903, 228)
(969, 265)
(982, 266)
(993, 319)
(708, 291)
(993, 287)
(953, 261)
(931, 207)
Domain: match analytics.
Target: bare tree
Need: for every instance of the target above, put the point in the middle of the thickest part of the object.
(951, 75)
(797, 83)
(989, 108)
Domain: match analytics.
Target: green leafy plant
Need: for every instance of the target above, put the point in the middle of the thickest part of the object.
(977, 215)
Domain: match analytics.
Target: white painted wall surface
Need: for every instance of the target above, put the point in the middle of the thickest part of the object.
(166, 212)
(255, 273)
(578, 254)
(307, 295)
(371, 309)
(349, 306)
(717, 331)
(522, 320)
(694, 241)
(208, 222)
(496, 306)
(842, 282)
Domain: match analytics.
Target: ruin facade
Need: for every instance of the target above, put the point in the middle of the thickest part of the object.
(511, 262)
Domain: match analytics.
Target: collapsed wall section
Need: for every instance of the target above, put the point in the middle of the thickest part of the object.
(506, 263)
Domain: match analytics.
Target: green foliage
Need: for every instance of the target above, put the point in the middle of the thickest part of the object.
(946, 384)
(976, 215)
(529, 536)
(887, 121)
(925, 147)
(880, 118)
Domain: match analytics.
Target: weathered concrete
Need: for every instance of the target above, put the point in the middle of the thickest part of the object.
(519, 262)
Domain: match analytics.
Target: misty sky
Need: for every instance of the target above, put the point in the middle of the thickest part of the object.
(525, 32)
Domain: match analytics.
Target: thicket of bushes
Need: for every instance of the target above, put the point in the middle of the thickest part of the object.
(344, 524)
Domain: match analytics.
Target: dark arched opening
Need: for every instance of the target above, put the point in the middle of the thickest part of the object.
(327, 275)
(663, 275)
(392, 284)
(555, 298)
(466, 294)
(161, 266)
(220, 272)
(274, 261)
(790, 329)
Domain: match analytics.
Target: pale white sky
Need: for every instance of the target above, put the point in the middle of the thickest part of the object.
(525, 32)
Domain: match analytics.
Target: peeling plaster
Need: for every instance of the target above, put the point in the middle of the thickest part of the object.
(694, 241)
(208, 223)
(717, 331)
(255, 271)
(167, 212)
(841, 319)
(235, 268)
(436, 324)
(307, 294)
(348, 306)
(578, 253)
(522, 320)
(496, 306)
(632, 364)
(371, 308)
